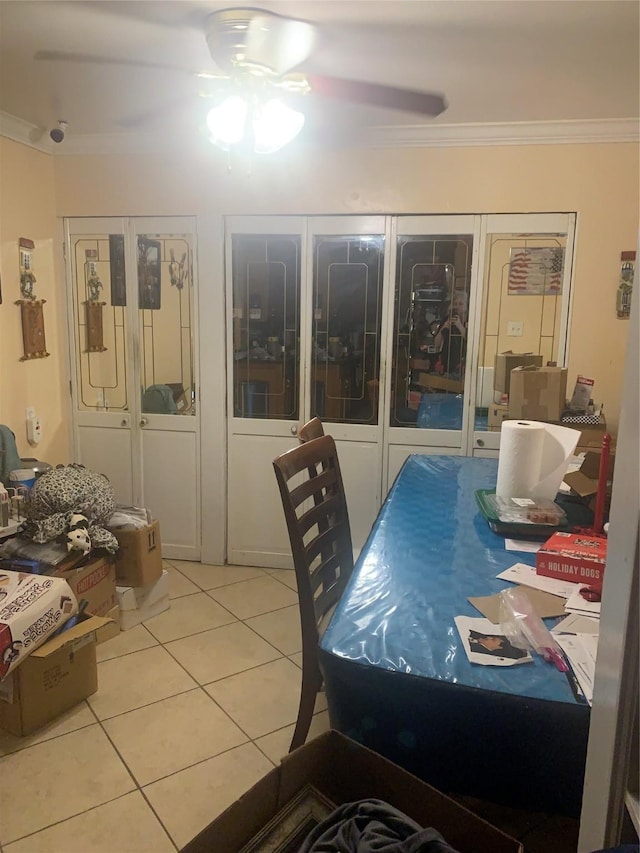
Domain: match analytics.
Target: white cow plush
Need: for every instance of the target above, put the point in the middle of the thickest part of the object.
(78, 534)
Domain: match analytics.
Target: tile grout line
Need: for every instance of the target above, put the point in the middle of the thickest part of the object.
(138, 786)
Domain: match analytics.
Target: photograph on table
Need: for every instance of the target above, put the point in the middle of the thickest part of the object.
(484, 643)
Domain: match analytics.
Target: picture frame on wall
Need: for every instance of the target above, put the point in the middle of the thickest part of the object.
(116, 265)
(536, 271)
(149, 273)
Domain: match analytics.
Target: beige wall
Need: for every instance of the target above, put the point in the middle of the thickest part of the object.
(27, 209)
(598, 181)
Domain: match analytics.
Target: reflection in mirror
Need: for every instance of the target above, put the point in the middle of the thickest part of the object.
(100, 320)
(523, 294)
(266, 326)
(347, 291)
(433, 279)
(165, 295)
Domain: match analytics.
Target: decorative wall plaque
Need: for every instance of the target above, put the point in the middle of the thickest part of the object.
(32, 328)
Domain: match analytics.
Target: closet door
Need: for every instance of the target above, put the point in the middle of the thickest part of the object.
(101, 340)
(526, 273)
(430, 345)
(304, 329)
(134, 383)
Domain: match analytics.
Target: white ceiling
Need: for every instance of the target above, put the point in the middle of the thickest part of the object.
(494, 60)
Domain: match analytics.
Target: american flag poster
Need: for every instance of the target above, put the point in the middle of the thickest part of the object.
(536, 272)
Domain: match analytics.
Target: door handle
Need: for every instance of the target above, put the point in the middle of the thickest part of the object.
(124, 422)
(294, 430)
(143, 422)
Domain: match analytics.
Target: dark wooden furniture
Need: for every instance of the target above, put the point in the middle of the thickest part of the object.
(312, 429)
(320, 539)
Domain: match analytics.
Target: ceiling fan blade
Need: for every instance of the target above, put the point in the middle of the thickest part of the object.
(155, 113)
(377, 95)
(93, 59)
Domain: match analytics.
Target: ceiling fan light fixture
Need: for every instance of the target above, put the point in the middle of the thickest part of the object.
(227, 122)
(275, 125)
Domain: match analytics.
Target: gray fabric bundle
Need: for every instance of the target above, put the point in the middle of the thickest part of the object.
(67, 491)
(372, 826)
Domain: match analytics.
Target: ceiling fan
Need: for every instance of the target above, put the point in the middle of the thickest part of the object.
(254, 53)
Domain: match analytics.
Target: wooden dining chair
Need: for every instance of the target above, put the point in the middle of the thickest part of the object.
(312, 429)
(320, 539)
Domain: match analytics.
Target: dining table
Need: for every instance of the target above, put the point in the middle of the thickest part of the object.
(397, 678)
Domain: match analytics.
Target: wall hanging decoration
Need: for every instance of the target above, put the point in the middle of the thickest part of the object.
(93, 305)
(625, 285)
(30, 308)
(148, 273)
(116, 263)
(177, 270)
(536, 271)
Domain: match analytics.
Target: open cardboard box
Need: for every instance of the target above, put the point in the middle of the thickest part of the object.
(584, 482)
(52, 679)
(344, 771)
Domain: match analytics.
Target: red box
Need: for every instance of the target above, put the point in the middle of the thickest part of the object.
(575, 557)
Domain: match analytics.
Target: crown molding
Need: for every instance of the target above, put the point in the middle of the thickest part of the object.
(396, 136)
(506, 133)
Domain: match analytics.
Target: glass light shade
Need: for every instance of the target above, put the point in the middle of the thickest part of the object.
(274, 125)
(227, 122)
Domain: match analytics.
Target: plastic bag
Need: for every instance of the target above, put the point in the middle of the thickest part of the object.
(525, 629)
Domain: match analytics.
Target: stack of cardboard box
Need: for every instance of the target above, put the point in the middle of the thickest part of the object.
(142, 586)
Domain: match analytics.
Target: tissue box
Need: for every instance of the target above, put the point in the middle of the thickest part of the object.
(538, 393)
(573, 557)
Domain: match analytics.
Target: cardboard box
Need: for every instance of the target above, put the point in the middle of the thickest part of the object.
(137, 604)
(95, 583)
(505, 362)
(344, 771)
(584, 482)
(538, 393)
(32, 607)
(574, 557)
(111, 628)
(440, 383)
(497, 414)
(139, 558)
(54, 678)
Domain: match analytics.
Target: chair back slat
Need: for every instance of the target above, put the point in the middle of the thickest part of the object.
(315, 511)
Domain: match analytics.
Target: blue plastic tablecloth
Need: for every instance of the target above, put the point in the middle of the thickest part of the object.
(396, 675)
(430, 549)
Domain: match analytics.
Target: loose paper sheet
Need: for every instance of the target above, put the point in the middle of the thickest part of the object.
(485, 644)
(581, 651)
(576, 623)
(577, 604)
(526, 575)
(528, 546)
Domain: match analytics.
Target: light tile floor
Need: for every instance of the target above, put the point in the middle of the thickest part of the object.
(192, 708)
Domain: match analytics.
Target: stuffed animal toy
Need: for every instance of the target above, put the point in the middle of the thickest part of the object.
(78, 540)
(78, 534)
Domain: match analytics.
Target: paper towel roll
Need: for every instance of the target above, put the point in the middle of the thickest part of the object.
(520, 459)
(533, 458)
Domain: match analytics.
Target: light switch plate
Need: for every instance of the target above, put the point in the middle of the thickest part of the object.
(514, 328)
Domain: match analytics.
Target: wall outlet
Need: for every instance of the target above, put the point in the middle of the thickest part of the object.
(514, 328)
